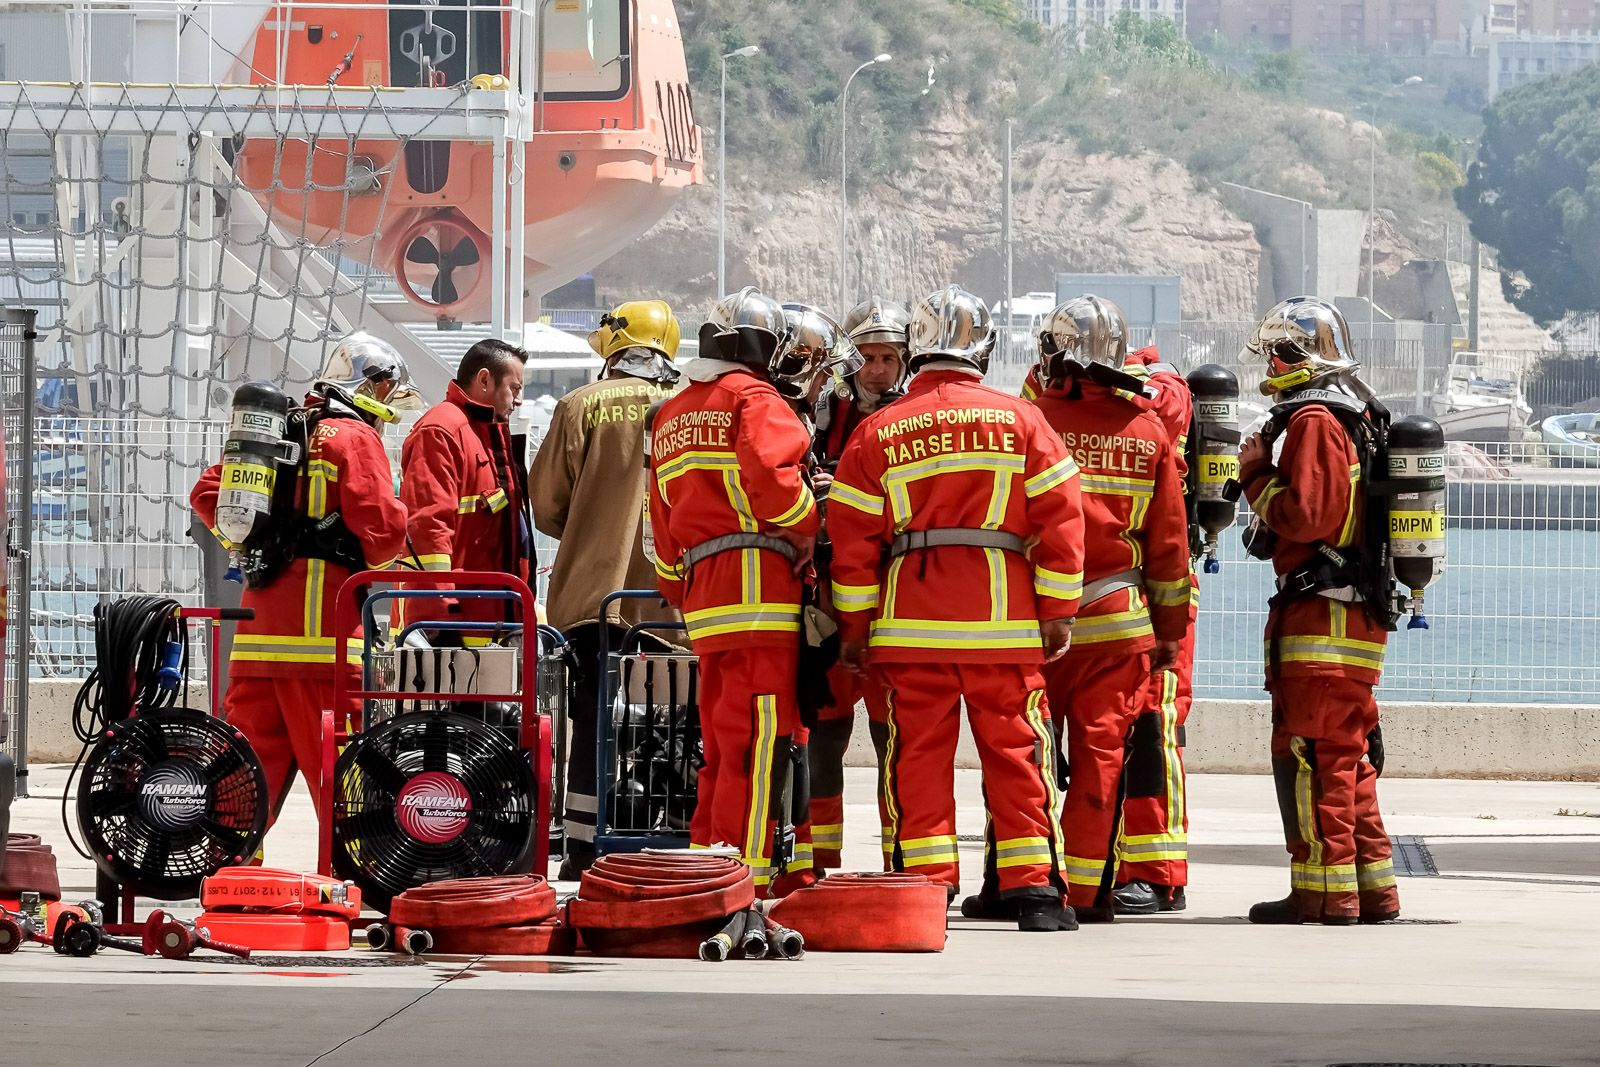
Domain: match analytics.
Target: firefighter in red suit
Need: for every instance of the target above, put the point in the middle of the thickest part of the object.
(1325, 648)
(877, 329)
(463, 482)
(1136, 578)
(340, 516)
(958, 562)
(1154, 871)
(734, 526)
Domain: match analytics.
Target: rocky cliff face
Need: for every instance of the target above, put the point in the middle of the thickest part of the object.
(940, 222)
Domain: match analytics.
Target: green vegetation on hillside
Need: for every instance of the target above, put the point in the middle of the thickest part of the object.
(1534, 193)
(1135, 87)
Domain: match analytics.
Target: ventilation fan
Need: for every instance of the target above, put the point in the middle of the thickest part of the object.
(167, 798)
(428, 796)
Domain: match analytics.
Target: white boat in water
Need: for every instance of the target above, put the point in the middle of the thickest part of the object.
(1474, 407)
(1573, 440)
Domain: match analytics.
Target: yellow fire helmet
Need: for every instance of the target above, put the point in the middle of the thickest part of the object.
(637, 324)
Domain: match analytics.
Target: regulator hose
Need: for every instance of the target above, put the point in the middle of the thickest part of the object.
(141, 664)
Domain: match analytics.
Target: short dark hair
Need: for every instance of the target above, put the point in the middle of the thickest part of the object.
(492, 355)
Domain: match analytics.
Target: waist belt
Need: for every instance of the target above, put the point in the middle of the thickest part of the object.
(913, 540)
(1112, 583)
(736, 542)
(1347, 594)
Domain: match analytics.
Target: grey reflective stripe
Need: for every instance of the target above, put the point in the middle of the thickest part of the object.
(997, 632)
(929, 852)
(1111, 583)
(735, 542)
(912, 540)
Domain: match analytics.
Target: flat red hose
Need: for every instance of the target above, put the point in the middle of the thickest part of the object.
(30, 867)
(868, 913)
(658, 904)
(475, 903)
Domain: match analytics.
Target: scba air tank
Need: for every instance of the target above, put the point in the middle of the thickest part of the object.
(1216, 477)
(250, 460)
(1417, 508)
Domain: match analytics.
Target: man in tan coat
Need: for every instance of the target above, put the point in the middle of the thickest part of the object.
(587, 486)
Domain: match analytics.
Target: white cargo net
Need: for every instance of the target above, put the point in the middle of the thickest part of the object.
(164, 275)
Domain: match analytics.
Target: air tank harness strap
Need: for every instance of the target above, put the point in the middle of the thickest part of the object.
(914, 540)
(737, 542)
(1112, 583)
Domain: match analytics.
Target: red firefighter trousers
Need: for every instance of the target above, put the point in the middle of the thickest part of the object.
(1016, 747)
(830, 738)
(282, 718)
(1097, 698)
(1340, 859)
(1155, 814)
(748, 714)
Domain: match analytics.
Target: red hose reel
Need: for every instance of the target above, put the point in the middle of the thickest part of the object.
(659, 905)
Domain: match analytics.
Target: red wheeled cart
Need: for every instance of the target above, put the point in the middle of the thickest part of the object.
(438, 763)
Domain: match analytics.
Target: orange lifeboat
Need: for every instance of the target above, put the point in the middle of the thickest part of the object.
(617, 140)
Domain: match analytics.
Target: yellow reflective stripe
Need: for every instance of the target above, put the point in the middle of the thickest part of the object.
(738, 618)
(999, 595)
(1045, 734)
(468, 504)
(1168, 594)
(1083, 870)
(940, 633)
(1304, 801)
(1347, 532)
(762, 747)
(433, 561)
(1115, 485)
(922, 851)
(1118, 626)
(1028, 392)
(827, 835)
(898, 478)
(1177, 817)
(1050, 477)
(1345, 650)
(1148, 848)
(666, 570)
(1378, 875)
(1261, 504)
(802, 507)
(323, 469)
(802, 860)
(739, 501)
(854, 597)
(1058, 585)
(891, 753)
(1338, 878)
(864, 502)
(316, 571)
(704, 460)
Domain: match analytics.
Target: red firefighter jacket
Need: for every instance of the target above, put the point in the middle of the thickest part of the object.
(954, 453)
(1312, 494)
(727, 456)
(346, 473)
(1134, 518)
(464, 489)
(1173, 403)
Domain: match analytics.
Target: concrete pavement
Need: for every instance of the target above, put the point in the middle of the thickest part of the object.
(1495, 962)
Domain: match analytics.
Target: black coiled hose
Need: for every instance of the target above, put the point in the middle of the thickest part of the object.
(131, 640)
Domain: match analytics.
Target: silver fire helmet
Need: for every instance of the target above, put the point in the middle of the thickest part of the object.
(360, 362)
(878, 321)
(951, 324)
(1083, 331)
(1301, 340)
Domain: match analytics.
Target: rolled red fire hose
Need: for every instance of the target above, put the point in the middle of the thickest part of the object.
(660, 905)
(30, 867)
(867, 913)
(512, 915)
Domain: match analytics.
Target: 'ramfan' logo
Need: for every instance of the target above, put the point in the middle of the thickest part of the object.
(174, 795)
(433, 808)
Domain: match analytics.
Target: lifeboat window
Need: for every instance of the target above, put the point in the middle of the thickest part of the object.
(427, 165)
(445, 42)
(586, 49)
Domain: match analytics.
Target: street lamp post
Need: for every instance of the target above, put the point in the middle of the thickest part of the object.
(844, 177)
(1372, 209)
(722, 168)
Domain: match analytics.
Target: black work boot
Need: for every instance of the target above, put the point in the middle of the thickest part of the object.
(1177, 899)
(985, 906)
(579, 858)
(1044, 915)
(1136, 898)
(1097, 914)
(1285, 912)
